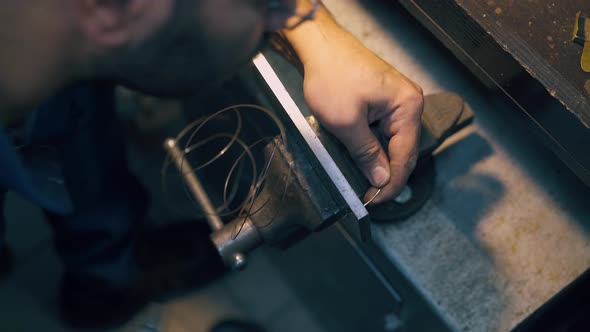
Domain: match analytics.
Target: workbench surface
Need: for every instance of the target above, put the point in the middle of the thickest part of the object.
(507, 226)
(538, 34)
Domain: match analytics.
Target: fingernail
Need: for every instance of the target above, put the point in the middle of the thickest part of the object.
(380, 176)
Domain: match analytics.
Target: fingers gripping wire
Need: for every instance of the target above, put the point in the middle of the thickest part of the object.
(374, 197)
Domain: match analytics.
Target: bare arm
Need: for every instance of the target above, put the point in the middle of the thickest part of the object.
(348, 88)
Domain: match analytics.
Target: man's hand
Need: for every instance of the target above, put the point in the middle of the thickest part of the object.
(349, 88)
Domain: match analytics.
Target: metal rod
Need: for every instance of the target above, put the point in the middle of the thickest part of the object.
(193, 184)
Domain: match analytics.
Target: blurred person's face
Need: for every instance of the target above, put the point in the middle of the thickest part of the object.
(197, 42)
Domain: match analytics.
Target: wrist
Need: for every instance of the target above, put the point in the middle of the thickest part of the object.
(309, 38)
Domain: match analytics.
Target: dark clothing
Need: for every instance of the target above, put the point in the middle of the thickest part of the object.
(77, 172)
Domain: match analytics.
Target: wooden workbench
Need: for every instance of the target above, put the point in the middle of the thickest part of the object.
(523, 50)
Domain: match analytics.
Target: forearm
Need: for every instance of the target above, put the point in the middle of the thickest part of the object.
(348, 88)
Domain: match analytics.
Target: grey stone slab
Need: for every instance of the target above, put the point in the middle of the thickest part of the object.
(493, 244)
(507, 226)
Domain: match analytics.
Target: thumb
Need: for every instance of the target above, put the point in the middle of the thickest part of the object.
(367, 152)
